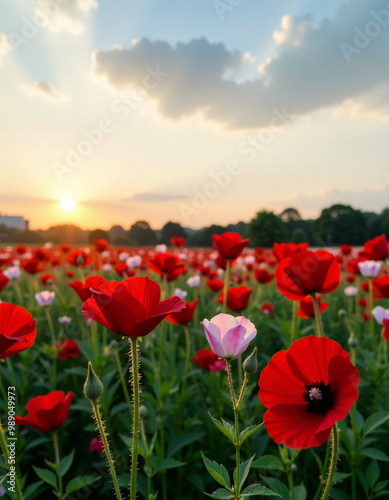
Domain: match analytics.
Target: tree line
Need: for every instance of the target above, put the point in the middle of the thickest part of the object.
(335, 225)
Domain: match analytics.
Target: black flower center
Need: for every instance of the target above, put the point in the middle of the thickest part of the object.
(319, 398)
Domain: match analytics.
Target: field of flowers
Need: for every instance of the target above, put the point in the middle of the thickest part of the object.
(178, 373)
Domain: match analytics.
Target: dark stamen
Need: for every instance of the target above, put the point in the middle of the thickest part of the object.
(319, 398)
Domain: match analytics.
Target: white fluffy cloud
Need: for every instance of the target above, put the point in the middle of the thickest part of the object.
(66, 15)
(5, 46)
(42, 89)
(340, 60)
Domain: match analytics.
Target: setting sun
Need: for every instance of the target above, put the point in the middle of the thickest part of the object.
(68, 204)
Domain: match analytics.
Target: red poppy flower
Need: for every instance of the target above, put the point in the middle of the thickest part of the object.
(3, 281)
(130, 308)
(65, 248)
(362, 303)
(237, 298)
(307, 310)
(352, 265)
(82, 289)
(350, 278)
(376, 248)
(67, 349)
(47, 279)
(306, 273)
(283, 250)
(101, 245)
(229, 245)
(167, 264)
(42, 254)
(184, 316)
(215, 285)
(365, 286)
(380, 287)
(263, 276)
(346, 249)
(267, 308)
(32, 266)
(96, 445)
(122, 270)
(79, 258)
(48, 412)
(177, 241)
(69, 273)
(21, 249)
(306, 390)
(208, 360)
(17, 329)
(365, 315)
(385, 332)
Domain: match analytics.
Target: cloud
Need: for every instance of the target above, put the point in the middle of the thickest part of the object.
(65, 15)
(370, 200)
(149, 197)
(5, 46)
(313, 69)
(42, 89)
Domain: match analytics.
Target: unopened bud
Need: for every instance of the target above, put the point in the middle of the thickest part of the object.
(93, 388)
(342, 314)
(352, 341)
(250, 364)
(143, 412)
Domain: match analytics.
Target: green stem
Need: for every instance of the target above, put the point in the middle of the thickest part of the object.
(95, 340)
(246, 379)
(4, 447)
(187, 360)
(334, 459)
(236, 415)
(57, 461)
(51, 326)
(319, 323)
(290, 481)
(161, 351)
(100, 425)
(122, 379)
(226, 283)
(136, 391)
(293, 326)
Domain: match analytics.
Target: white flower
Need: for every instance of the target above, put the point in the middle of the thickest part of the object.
(193, 281)
(370, 268)
(64, 320)
(12, 273)
(180, 293)
(351, 291)
(380, 314)
(249, 259)
(123, 256)
(106, 268)
(44, 298)
(134, 261)
(161, 248)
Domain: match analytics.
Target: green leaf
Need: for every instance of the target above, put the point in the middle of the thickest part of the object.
(249, 431)
(31, 489)
(168, 463)
(244, 469)
(373, 453)
(65, 464)
(300, 492)
(224, 427)
(46, 475)
(80, 482)
(268, 462)
(256, 490)
(218, 472)
(278, 487)
(375, 421)
(181, 441)
(220, 494)
(373, 473)
(52, 465)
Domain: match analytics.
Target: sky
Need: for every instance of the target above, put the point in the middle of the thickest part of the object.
(195, 111)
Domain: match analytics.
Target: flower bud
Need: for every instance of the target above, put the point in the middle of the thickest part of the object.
(352, 341)
(143, 412)
(250, 364)
(342, 314)
(93, 388)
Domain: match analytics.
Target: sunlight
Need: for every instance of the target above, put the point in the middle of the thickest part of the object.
(68, 204)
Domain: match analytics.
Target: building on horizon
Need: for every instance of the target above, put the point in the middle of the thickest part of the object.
(14, 221)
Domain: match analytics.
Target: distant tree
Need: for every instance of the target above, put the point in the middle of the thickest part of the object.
(265, 229)
(378, 224)
(203, 237)
(340, 224)
(239, 227)
(299, 236)
(65, 233)
(290, 214)
(141, 233)
(98, 234)
(117, 231)
(171, 229)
